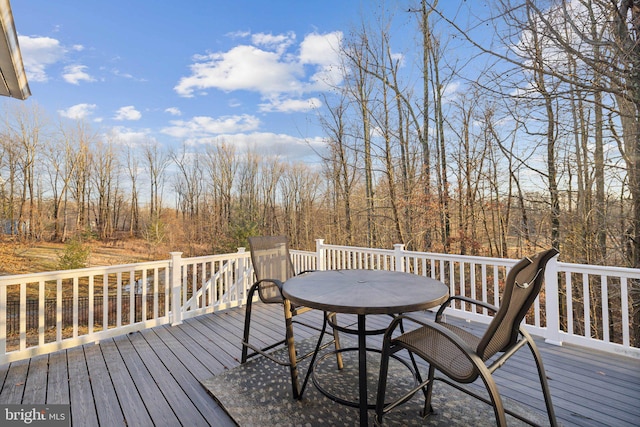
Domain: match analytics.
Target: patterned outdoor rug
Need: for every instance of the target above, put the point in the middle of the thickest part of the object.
(258, 393)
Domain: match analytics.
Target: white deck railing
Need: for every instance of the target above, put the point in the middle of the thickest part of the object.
(44, 312)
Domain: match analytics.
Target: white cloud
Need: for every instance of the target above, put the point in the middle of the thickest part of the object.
(451, 90)
(119, 73)
(321, 49)
(265, 143)
(238, 34)
(268, 66)
(124, 75)
(203, 126)
(37, 54)
(127, 113)
(268, 142)
(78, 111)
(290, 105)
(173, 111)
(242, 68)
(272, 144)
(74, 74)
(129, 137)
(278, 42)
(241, 132)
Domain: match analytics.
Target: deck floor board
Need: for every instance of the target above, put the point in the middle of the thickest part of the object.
(177, 400)
(135, 413)
(178, 368)
(109, 412)
(150, 391)
(37, 375)
(153, 377)
(80, 391)
(57, 379)
(13, 388)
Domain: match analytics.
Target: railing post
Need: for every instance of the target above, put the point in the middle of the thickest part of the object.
(320, 264)
(398, 250)
(552, 302)
(3, 323)
(241, 282)
(176, 288)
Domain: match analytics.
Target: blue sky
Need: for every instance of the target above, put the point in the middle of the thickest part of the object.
(191, 71)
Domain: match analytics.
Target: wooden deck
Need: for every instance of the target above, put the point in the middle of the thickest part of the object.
(152, 377)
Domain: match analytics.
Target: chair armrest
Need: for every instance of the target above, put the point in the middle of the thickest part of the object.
(256, 285)
(305, 271)
(483, 304)
(276, 282)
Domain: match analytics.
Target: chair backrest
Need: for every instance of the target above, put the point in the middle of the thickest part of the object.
(521, 289)
(271, 260)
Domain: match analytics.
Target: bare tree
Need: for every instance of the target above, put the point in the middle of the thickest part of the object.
(157, 161)
(247, 214)
(133, 168)
(105, 181)
(470, 159)
(188, 184)
(360, 87)
(272, 170)
(25, 127)
(80, 181)
(10, 164)
(63, 159)
(222, 165)
(340, 165)
(188, 188)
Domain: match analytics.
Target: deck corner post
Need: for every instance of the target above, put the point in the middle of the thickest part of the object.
(320, 258)
(398, 250)
(552, 303)
(176, 288)
(241, 282)
(3, 323)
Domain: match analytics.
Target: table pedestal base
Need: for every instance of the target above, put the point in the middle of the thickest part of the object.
(342, 386)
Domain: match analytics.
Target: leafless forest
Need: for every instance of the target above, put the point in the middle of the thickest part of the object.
(541, 147)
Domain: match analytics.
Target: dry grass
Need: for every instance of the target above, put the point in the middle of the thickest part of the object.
(22, 258)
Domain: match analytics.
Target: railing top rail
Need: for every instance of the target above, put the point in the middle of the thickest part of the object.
(600, 269)
(463, 258)
(80, 272)
(448, 257)
(217, 257)
(301, 252)
(358, 249)
(562, 266)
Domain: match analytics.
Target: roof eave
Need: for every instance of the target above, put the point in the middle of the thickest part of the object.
(13, 79)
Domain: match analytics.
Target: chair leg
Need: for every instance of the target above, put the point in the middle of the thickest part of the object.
(428, 407)
(247, 323)
(293, 363)
(336, 339)
(382, 382)
(496, 400)
(543, 382)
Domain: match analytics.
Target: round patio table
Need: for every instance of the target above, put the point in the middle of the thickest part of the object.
(364, 292)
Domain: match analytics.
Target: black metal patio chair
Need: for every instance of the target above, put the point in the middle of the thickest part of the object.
(272, 265)
(463, 357)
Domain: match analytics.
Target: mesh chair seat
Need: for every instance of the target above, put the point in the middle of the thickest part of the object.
(436, 348)
(270, 293)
